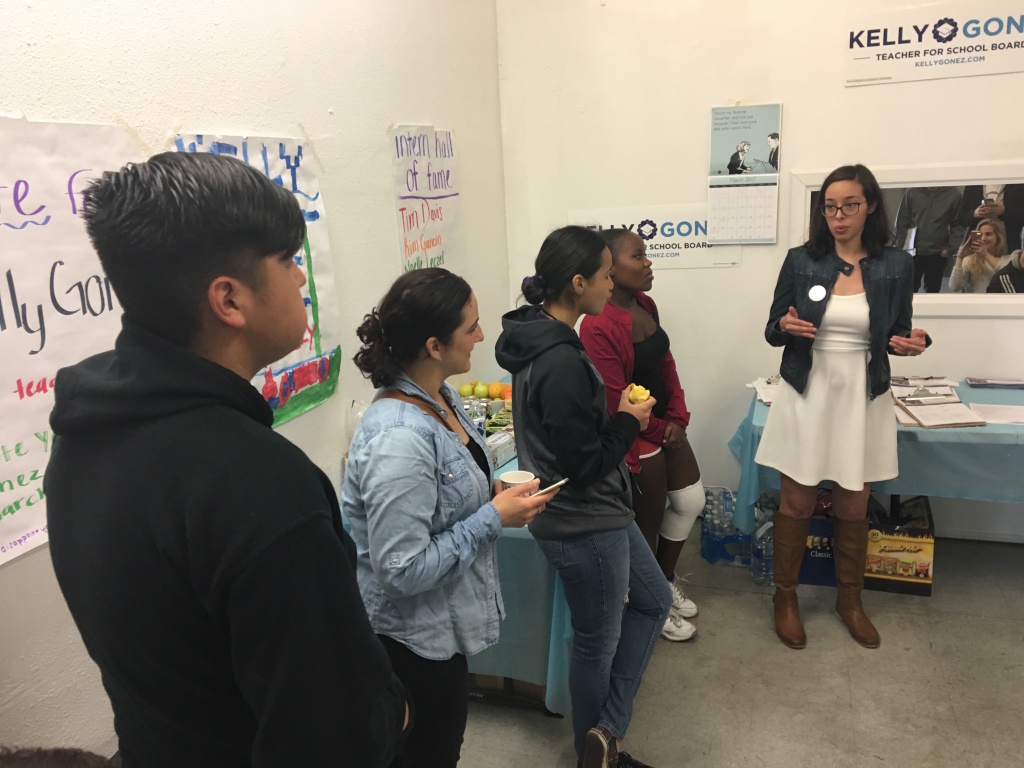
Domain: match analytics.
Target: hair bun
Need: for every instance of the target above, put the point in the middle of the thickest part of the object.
(533, 289)
(535, 282)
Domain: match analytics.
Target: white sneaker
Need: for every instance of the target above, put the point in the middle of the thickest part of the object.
(677, 629)
(680, 603)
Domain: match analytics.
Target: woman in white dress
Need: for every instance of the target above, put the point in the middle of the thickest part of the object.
(842, 304)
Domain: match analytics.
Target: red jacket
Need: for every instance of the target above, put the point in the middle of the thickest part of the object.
(608, 339)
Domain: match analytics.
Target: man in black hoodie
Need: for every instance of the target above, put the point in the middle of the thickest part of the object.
(202, 554)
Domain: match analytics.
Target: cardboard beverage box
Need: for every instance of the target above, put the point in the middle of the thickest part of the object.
(502, 446)
(819, 565)
(901, 549)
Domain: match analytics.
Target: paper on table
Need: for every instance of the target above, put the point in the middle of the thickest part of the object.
(936, 395)
(999, 383)
(904, 418)
(765, 391)
(944, 415)
(999, 414)
(924, 381)
(902, 391)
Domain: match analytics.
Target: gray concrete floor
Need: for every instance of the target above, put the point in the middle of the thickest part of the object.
(945, 689)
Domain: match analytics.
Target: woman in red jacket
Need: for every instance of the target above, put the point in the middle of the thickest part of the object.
(627, 345)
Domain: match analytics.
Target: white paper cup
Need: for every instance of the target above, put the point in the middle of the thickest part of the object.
(514, 477)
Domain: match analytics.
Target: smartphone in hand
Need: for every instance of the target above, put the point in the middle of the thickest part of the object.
(550, 488)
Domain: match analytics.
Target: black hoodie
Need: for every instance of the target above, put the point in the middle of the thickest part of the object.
(562, 426)
(203, 560)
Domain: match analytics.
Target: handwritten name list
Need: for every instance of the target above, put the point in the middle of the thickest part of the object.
(425, 174)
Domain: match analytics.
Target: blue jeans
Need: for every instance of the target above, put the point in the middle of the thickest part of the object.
(612, 642)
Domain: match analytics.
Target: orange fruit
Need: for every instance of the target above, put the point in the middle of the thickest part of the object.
(494, 391)
(506, 393)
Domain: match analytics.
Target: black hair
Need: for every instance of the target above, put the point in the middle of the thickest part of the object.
(876, 234)
(419, 305)
(165, 228)
(613, 238)
(565, 253)
(51, 758)
(773, 135)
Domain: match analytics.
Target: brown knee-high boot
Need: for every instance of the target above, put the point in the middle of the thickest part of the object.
(850, 546)
(790, 541)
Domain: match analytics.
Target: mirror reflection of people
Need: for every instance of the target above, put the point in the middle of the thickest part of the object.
(427, 548)
(736, 164)
(843, 303)
(773, 150)
(587, 533)
(628, 345)
(995, 201)
(980, 257)
(933, 212)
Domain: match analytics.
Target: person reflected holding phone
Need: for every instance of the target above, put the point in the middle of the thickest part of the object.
(980, 257)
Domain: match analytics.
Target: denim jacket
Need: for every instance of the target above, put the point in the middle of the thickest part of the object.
(888, 287)
(425, 528)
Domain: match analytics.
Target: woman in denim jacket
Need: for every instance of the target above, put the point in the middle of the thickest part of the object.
(418, 494)
(842, 304)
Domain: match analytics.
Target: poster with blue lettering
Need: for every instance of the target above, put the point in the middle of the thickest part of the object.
(673, 236)
(425, 174)
(56, 305)
(309, 375)
(931, 42)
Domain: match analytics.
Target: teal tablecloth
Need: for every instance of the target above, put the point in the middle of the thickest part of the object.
(536, 635)
(982, 463)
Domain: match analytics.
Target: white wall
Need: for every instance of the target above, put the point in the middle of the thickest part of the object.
(344, 71)
(607, 103)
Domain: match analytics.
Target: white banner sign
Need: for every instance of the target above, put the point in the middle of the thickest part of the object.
(424, 167)
(56, 306)
(676, 236)
(930, 42)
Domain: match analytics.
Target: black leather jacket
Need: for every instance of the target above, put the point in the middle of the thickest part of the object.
(889, 288)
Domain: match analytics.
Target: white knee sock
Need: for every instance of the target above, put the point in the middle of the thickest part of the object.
(683, 507)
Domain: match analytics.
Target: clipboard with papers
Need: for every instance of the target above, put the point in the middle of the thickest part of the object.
(935, 406)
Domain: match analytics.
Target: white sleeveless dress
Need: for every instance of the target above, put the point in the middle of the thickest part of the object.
(833, 431)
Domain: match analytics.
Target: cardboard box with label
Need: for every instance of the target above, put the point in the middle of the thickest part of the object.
(901, 550)
(502, 446)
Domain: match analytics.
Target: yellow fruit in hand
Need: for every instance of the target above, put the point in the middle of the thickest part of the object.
(638, 394)
(494, 391)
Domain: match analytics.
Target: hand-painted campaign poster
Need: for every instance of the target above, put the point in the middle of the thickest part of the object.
(56, 305)
(930, 42)
(674, 236)
(425, 172)
(309, 375)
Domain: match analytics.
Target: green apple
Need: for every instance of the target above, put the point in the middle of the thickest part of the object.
(481, 390)
(466, 390)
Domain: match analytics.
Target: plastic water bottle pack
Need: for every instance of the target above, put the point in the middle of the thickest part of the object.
(762, 558)
(720, 542)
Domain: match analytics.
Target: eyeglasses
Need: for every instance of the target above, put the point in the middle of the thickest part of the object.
(848, 209)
